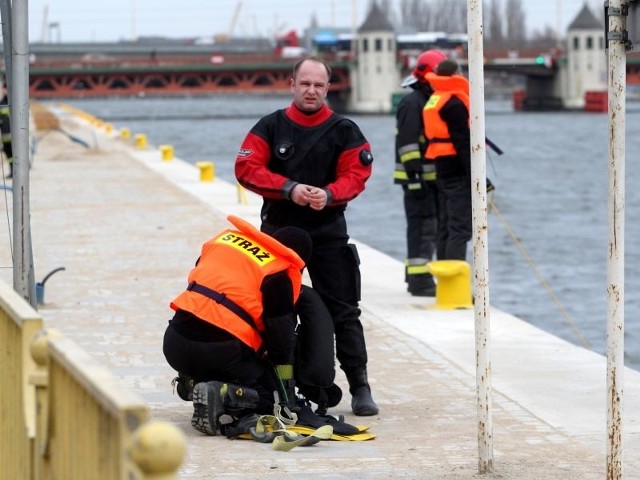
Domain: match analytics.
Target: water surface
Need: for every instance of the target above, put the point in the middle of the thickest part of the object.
(551, 192)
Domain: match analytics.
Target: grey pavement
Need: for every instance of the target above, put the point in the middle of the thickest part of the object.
(128, 226)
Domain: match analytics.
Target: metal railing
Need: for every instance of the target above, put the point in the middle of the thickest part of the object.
(19, 323)
(66, 416)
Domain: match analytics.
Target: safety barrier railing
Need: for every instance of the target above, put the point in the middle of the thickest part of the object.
(67, 417)
(19, 323)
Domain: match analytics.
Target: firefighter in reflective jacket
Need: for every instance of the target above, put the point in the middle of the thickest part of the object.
(236, 322)
(417, 177)
(446, 120)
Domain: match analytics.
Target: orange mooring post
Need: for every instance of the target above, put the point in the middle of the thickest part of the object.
(453, 284)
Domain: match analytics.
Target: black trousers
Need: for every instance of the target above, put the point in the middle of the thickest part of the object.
(224, 360)
(421, 212)
(455, 225)
(334, 269)
(230, 360)
(315, 352)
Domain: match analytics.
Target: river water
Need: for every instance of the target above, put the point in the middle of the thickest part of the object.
(547, 239)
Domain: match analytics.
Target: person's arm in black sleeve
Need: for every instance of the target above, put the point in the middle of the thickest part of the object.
(279, 318)
(409, 130)
(456, 116)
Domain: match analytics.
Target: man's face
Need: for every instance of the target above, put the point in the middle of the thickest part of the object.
(310, 86)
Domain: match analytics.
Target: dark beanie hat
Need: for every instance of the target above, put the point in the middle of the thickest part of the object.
(447, 67)
(296, 239)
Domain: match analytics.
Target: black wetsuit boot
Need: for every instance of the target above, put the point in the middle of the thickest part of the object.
(362, 402)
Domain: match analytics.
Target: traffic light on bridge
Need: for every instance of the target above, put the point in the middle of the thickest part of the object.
(546, 60)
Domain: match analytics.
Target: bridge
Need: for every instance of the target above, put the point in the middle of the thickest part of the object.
(102, 69)
(84, 70)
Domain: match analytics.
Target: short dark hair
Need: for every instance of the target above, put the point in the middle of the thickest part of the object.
(447, 67)
(299, 63)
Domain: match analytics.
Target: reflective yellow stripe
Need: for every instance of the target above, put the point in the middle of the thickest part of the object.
(417, 269)
(400, 175)
(412, 155)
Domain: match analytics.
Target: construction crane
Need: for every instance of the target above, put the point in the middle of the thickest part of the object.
(225, 37)
(45, 24)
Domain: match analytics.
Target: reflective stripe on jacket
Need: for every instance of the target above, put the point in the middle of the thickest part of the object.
(436, 129)
(5, 125)
(410, 142)
(235, 263)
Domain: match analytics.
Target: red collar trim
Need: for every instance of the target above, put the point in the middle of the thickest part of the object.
(316, 118)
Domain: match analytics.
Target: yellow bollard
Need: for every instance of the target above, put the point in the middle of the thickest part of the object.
(141, 140)
(125, 133)
(453, 284)
(207, 171)
(167, 152)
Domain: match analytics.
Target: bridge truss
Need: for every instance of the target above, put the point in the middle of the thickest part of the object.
(97, 81)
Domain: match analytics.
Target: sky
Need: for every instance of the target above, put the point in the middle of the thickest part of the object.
(115, 20)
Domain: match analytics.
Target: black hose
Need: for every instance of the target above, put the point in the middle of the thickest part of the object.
(50, 273)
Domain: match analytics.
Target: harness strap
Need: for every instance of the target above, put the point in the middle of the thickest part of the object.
(223, 300)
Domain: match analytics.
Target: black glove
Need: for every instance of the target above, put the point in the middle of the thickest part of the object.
(413, 167)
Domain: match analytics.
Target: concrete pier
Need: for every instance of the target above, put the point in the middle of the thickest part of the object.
(128, 226)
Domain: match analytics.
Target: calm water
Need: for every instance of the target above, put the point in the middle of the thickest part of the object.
(551, 189)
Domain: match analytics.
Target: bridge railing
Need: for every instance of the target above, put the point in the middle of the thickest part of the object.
(65, 416)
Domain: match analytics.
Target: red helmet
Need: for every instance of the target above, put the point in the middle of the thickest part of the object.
(427, 62)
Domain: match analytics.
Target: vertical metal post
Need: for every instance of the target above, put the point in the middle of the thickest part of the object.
(480, 237)
(615, 261)
(23, 280)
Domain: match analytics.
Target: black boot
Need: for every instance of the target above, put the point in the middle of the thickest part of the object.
(362, 402)
(324, 397)
(239, 426)
(213, 399)
(421, 285)
(184, 386)
(307, 418)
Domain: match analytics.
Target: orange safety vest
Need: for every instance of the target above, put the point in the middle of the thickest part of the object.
(234, 264)
(435, 128)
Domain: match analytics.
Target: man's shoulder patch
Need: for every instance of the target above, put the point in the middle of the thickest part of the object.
(245, 152)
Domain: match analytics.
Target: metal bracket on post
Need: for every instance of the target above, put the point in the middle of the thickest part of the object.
(623, 36)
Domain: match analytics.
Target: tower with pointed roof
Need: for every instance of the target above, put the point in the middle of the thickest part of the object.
(586, 68)
(376, 75)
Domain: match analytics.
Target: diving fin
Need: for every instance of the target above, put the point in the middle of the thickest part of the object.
(356, 437)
